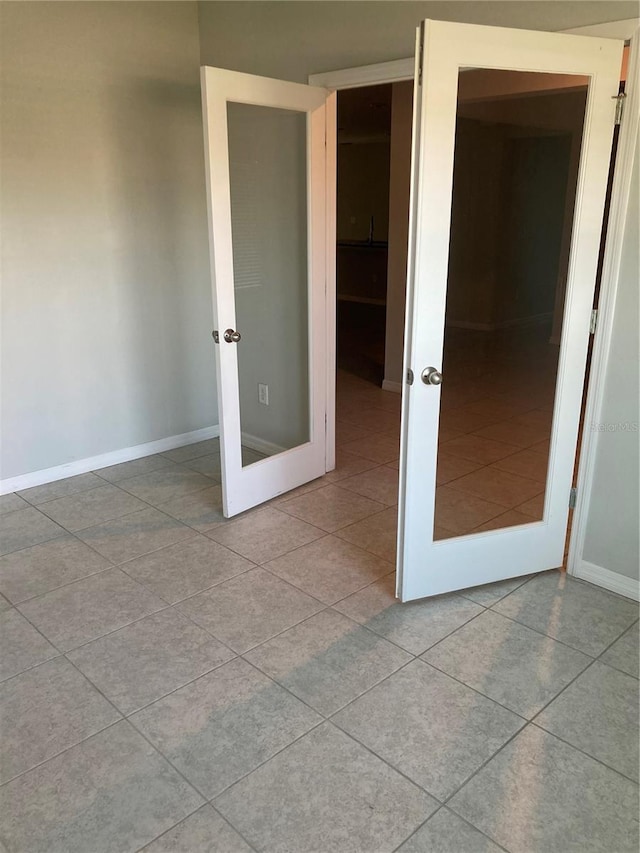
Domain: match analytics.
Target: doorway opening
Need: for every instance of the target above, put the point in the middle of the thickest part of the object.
(517, 151)
(362, 226)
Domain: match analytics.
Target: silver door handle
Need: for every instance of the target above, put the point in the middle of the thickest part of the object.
(430, 376)
(232, 337)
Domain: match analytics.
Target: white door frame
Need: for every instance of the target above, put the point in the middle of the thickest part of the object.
(403, 69)
(621, 190)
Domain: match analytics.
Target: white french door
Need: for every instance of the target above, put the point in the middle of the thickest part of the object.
(457, 65)
(266, 187)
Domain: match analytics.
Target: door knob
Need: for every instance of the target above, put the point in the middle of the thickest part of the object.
(232, 337)
(430, 376)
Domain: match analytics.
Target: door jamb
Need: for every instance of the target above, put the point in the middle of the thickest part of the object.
(349, 78)
(403, 69)
(596, 379)
(331, 161)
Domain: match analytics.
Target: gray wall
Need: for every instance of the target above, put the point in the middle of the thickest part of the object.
(106, 305)
(612, 529)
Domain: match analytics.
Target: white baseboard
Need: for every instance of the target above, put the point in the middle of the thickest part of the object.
(389, 385)
(261, 445)
(115, 457)
(609, 580)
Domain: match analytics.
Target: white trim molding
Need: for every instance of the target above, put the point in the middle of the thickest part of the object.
(366, 75)
(390, 385)
(331, 214)
(104, 460)
(613, 581)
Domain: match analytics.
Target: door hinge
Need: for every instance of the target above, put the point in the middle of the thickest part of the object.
(619, 99)
(593, 323)
(409, 376)
(421, 57)
(215, 336)
(573, 497)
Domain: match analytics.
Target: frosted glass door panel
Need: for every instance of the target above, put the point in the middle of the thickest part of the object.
(268, 188)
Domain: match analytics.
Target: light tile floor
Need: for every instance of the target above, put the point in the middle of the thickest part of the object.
(171, 681)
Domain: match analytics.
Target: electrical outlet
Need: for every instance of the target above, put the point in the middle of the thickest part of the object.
(263, 394)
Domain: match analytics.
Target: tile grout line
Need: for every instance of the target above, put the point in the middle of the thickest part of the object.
(62, 751)
(205, 805)
(440, 808)
(495, 701)
(127, 720)
(168, 604)
(65, 533)
(260, 508)
(541, 633)
(34, 665)
(347, 492)
(125, 491)
(582, 751)
(385, 761)
(366, 585)
(192, 594)
(633, 624)
(523, 578)
(18, 604)
(326, 717)
(525, 721)
(330, 722)
(126, 715)
(529, 723)
(100, 636)
(393, 642)
(479, 769)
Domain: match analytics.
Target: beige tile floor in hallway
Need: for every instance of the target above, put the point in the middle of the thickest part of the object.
(492, 456)
(171, 681)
